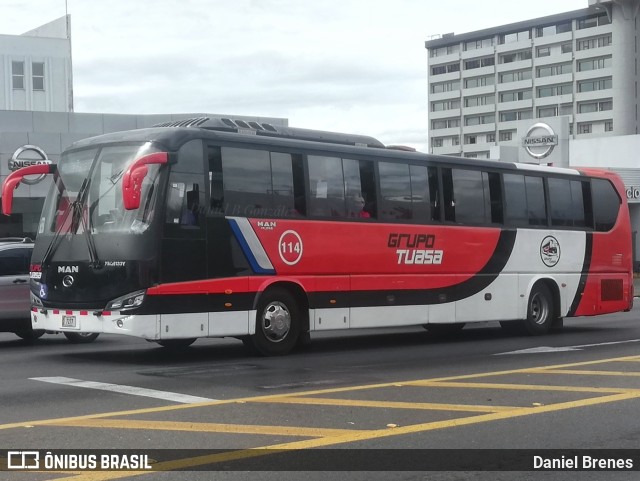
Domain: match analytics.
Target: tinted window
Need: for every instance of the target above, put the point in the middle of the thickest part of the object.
(247, 180)
(606, 204)
(471, 196)
(536, 204)
(566, 203)
(360, 188)
(395, 190)
(326, 187)
(524, 200)
(186, 192)
(14, 261)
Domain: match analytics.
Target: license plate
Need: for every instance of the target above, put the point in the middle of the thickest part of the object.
(69, 322)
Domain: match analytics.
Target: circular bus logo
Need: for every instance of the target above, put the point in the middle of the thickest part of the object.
(290, 247)
(24, 157)
(540, 140)
(550, 251)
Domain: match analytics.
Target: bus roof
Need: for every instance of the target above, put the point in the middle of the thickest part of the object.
(172, 135)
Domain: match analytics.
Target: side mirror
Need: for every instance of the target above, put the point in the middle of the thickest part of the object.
(13, 179)
(134, 176)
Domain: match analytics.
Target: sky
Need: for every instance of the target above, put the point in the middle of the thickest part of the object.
(357, 66)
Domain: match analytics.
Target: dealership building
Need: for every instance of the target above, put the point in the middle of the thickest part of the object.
(559, 90)
(37, 121)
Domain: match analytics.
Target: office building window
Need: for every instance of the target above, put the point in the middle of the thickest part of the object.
(515, 76)
(479, 119)
(442, 69)
(595, 106)
(445, 105)
(506, 135)
(550, 111)
(553, 90)
(584, 128)
(608, 126)
(515, 96)
(514, 37)
(594, 85)
(566, 48)
(480, 100)
(593, 21)
(445, 123)
(445, 87)
(550, 70)
(441, 51)
(17, 75)
(515, 56)
(543, 52)
(479, 62)
(476, 44)
(516, 115)
(37, 75)
(553, 29)
(491, 138)
(594, 64)
(594, 42)
(437, 142)
(474, 82)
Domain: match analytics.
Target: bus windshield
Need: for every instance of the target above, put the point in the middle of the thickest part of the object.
(91, 180)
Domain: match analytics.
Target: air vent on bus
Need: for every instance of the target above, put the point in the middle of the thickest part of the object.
(226, 124)
(194, 122)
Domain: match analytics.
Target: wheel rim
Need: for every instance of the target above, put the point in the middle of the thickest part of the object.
(539, 309)
(276, 321)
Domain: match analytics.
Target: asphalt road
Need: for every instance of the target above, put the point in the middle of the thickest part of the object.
(355, 396)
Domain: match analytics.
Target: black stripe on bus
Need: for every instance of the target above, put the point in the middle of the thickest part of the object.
(586, 265)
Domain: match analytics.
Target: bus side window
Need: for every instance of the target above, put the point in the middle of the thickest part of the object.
(360, 186)
(299, 197)
(326, 184)
(185, 197)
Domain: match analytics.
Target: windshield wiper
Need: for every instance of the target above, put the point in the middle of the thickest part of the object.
(78, 217)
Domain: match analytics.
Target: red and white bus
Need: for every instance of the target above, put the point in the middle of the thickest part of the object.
(216, 227)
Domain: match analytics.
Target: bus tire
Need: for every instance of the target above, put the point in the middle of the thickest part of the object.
(540, 311)
(177, 343)
(29, 334)
(81, 337)
(277, 323)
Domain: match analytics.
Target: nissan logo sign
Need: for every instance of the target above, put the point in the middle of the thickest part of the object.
(24, 157)
(540, 141)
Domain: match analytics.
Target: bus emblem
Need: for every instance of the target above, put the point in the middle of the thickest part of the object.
(550, 251)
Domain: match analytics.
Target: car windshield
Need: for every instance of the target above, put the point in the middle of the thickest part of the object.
(93, 178)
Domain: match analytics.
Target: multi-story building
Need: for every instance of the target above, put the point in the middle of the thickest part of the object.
(35, 69)
(581, 65)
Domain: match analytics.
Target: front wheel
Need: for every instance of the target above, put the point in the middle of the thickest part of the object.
(30, 334)
(277, 323)
(540, 311)
(81, 337)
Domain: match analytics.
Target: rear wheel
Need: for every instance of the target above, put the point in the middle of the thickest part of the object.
(30, 334)
(540, 311)
(277, 323)
(81, 337)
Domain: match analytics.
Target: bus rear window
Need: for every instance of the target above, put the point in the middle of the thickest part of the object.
(606, 204)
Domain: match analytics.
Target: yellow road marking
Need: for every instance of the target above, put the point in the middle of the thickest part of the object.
(387, 404)
(352, 437)
(521, 387)
(310, 432)
(585, 372)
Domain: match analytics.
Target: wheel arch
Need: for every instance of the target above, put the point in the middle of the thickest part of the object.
(295, 289)
(553, 287)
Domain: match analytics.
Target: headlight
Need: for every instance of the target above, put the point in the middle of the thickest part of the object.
(129, 301)
(35, 300)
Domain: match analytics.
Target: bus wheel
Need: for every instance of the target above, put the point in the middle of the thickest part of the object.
(277, 323)
(540, 311)
(81, 337)
(30, 334)
(177, 343)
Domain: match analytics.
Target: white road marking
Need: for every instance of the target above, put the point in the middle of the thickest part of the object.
(544, 349)
(134, 391)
